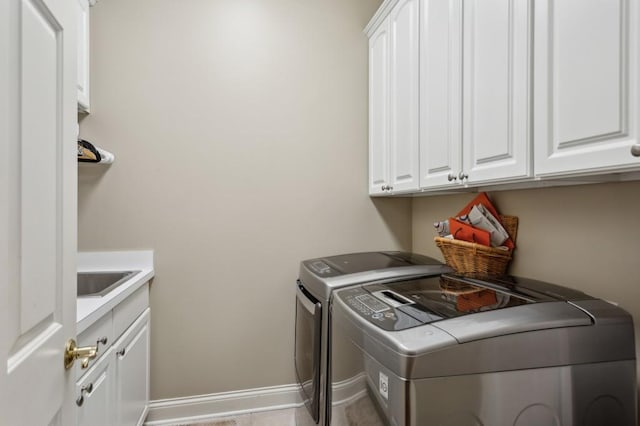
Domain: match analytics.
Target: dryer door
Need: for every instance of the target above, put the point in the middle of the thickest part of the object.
(308, 349)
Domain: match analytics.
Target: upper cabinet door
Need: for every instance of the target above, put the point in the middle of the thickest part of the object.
(404, 96)
(586, 85)
(497, 89)
(379, 109)
(440, 92)
(84, 100)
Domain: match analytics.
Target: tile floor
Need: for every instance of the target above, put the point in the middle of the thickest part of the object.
(265, 418)
(357, 412)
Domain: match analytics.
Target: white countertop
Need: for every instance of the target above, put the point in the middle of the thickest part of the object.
(90, 309)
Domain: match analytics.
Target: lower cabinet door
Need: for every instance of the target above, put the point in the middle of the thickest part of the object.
(94, 393)
(131, 354)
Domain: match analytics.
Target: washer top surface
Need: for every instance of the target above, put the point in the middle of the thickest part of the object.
(441, 319)
(321, 275)
(409, 303)
(352, 263)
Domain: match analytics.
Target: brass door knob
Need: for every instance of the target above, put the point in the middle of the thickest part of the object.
(73, 352)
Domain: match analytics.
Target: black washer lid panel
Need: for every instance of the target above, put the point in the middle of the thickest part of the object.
(465, 311)
(443, 297)
(526, 286)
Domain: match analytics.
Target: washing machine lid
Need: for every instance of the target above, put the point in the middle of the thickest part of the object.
(353, 263)
(452, 303)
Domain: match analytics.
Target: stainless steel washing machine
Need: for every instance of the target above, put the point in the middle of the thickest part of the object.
(462, 351)
(317, 280)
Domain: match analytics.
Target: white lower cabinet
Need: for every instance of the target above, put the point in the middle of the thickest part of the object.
(94, 393)
(132, 373)
(114, 390)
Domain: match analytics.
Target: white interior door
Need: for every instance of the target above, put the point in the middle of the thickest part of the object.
(38, 192)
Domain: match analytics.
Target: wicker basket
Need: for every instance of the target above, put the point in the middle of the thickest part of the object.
(472, 258)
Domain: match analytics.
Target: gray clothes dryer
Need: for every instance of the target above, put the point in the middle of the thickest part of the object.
(461, 351)
(317, 280)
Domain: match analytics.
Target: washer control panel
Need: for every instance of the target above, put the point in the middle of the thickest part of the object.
(372, 303)
(375, 310)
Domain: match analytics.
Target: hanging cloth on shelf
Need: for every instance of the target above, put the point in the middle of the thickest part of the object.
(87, 153)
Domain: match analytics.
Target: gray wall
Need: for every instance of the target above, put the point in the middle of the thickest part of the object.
(584, 237)
(240, 135)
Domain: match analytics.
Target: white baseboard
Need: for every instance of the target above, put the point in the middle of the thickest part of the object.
(210, 407)
(225, 404)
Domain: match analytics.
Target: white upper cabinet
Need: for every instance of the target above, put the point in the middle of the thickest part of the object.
(586, 86)
(497, 97)
(500, 92)
(480, 134)
(404, 96)
(379, 109)
(84, 98)
(440, 92)
(394, 101)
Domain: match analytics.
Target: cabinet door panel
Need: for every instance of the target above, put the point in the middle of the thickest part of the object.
(404, 27)
(96, 404)
(132, 372)
(83, 55)
(440, 91)
(586, 85)
(379, 109)
(497, 95)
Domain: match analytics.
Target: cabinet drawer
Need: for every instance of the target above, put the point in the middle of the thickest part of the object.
(126, 312)
(94, 336)
(94, 393)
